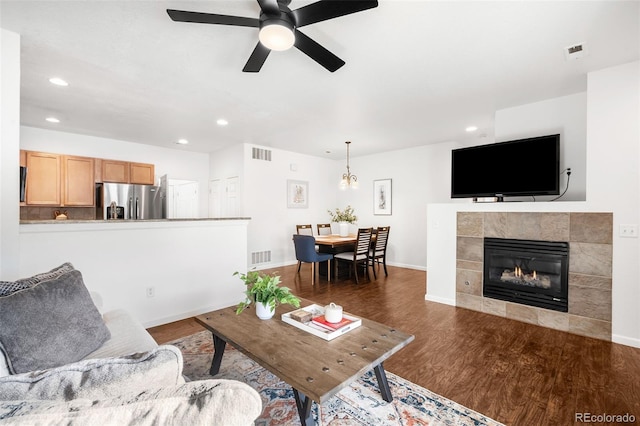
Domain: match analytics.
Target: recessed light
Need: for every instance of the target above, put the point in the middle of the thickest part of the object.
(52, 120)
(222, 122)
(471, 128)
(182, 142)
(58, 81)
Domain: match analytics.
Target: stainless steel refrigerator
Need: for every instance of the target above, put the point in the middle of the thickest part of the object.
(129, 202)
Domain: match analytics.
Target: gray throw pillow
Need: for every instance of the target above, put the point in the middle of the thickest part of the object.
(98, 378)
(50, 324)
(9, 287)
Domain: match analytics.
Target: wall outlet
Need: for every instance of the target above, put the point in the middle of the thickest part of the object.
(151, 291)
(629, 231)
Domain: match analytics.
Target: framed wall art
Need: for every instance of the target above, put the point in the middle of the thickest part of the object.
(382, 195)
(297, 194)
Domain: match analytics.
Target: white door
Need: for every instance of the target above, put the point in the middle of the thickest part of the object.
(215, 198)
(232, 197)
(187, 200)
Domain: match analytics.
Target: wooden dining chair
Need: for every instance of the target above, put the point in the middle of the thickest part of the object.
(378, 250)
(306, 252)
(360, 254)
(304, 230)
(324, 228)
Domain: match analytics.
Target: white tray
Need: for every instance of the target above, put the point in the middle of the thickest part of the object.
(317, 330)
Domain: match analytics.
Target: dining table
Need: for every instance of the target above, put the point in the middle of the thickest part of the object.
(334, 244)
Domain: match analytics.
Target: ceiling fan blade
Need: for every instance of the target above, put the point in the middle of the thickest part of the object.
(257, 58)
(270, 7)
(317, 52)
(212, 18)
(328, 9)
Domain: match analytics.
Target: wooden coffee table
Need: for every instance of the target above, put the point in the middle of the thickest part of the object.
(316, 369)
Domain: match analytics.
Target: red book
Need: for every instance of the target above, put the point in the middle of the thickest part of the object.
(322, 322)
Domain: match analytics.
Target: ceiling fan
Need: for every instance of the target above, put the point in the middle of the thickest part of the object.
(279, 27)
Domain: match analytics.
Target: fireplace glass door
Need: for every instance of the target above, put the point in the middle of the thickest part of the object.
(526, 271)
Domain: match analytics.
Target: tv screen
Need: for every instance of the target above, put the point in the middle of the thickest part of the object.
(515, 168)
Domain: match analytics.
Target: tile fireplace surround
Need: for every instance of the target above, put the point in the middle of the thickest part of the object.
(590, 236)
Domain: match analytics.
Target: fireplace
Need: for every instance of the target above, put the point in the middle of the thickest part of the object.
(529, 272)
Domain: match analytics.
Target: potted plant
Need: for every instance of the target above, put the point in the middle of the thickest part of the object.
(344, 218)
(265, 291)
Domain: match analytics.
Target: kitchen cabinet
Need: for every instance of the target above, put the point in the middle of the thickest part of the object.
(127, 172)
(43, 179)
(141, 173)
(78, 178)
(115, 171)
(59, 180)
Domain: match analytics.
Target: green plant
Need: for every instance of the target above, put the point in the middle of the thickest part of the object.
(345, 215)
(263, 288)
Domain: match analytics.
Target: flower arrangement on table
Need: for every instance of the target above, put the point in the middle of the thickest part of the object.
(345, 215)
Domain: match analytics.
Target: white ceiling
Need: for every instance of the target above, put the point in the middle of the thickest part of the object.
(416, 73)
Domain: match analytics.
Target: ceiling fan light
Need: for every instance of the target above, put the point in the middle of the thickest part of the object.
(277, 36)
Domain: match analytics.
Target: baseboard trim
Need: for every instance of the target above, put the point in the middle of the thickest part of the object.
(443, 300)
(178, 317)
(624, 340)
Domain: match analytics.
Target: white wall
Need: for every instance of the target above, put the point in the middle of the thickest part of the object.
(613, 182)
(9, 152)
(189, 264)
(265, 200)
(613, 163)
(566, 115)
(419, 176)
(175, 163)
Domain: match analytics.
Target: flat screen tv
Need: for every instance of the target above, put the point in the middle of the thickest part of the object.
(523, 167)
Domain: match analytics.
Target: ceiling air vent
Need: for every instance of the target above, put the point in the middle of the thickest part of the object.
(261, 154)
(575, 52)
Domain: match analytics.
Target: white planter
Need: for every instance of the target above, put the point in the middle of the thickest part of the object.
(344, 229)
(264, 311)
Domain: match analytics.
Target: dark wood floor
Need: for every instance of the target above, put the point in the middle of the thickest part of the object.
(516, 373)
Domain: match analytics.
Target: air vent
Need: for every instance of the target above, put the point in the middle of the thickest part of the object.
(576, 51)
(261, 154)
(258, 257)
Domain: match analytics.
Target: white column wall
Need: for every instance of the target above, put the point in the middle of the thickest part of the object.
(9, 153)
(613, 162)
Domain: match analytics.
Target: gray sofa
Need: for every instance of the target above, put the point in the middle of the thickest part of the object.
(101, 368)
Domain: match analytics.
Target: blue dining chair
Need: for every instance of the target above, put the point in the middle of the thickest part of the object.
(305, 246)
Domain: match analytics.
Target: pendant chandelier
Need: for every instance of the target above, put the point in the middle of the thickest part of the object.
(348, 180)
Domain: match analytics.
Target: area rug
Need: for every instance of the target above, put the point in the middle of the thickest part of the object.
(358, 404)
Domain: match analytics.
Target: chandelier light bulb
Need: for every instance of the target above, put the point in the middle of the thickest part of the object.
(348, 180)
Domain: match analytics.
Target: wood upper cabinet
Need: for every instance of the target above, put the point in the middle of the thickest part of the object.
(79, 187)
(43, 179)
(115, 171)
(126, 172)
(142, 173)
